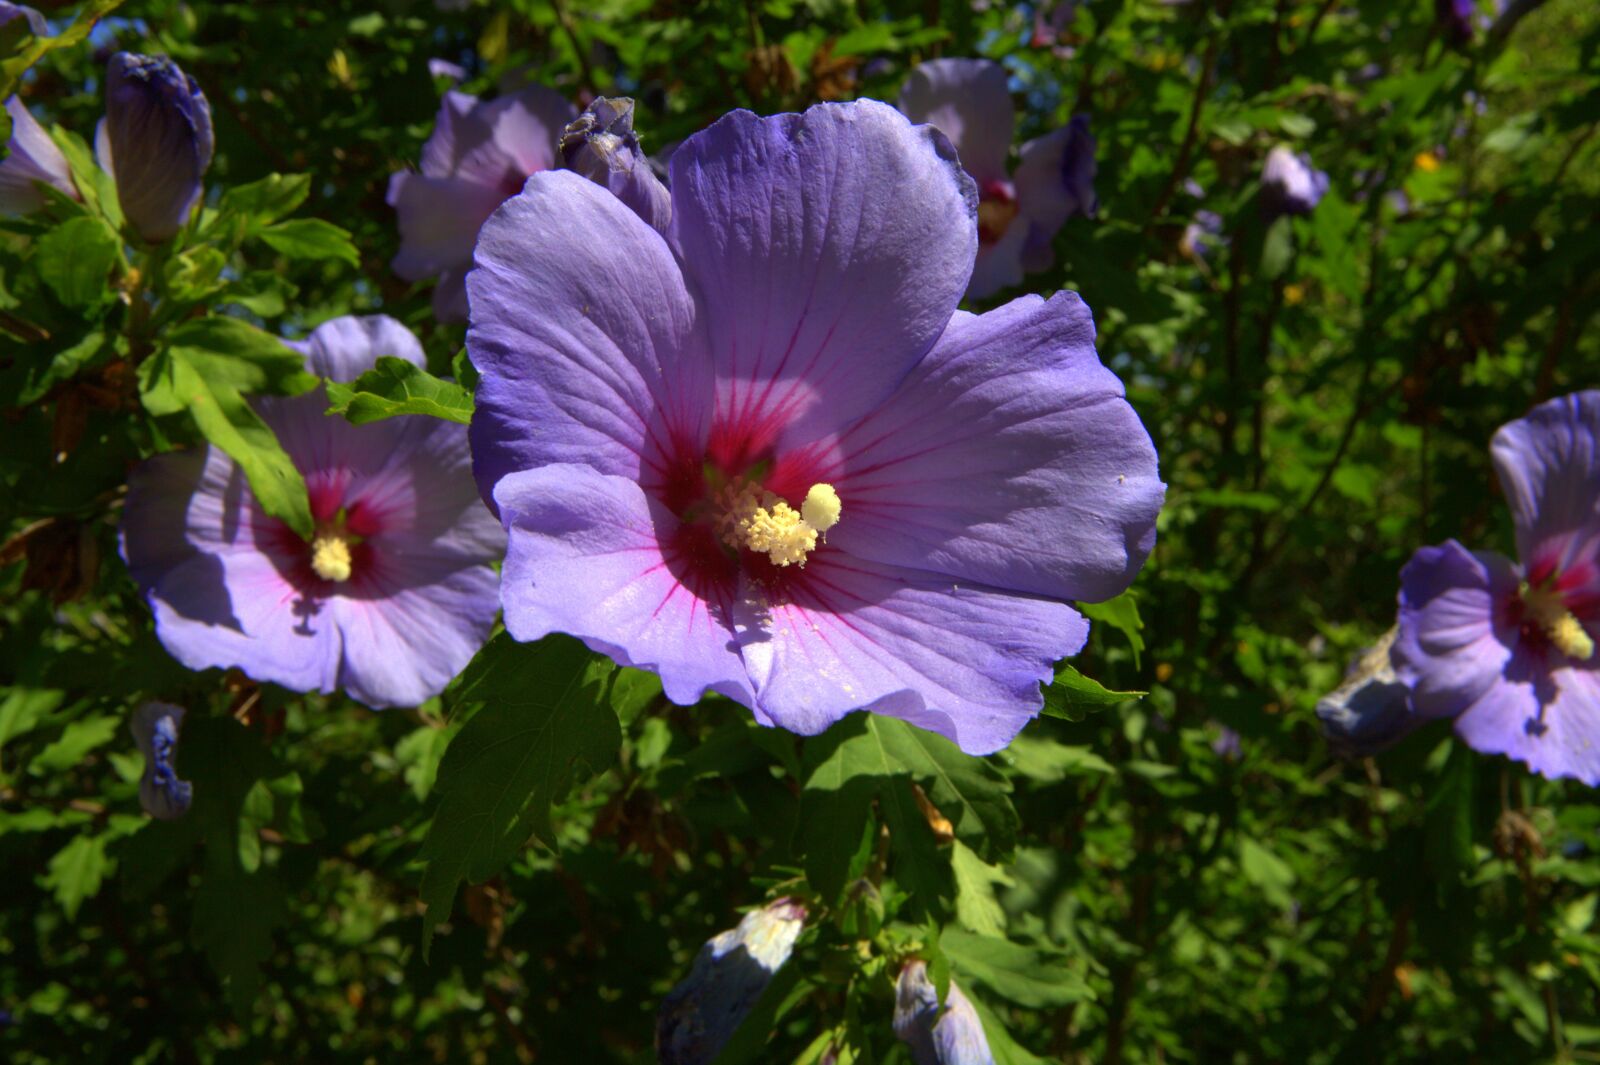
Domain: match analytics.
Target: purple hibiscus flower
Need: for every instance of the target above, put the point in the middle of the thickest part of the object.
(389, 600)
(968, 100)
(951, 1036)
(32, 158)
(479, 154)
(602, 146)
(1508, 648)
(760, 456)
(156, 142)
(1289, 183)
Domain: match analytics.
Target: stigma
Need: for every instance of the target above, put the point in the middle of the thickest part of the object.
(1547, 609)
(759, 521)
(330, 556)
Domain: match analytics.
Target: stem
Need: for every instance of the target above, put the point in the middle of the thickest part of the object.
(1180, 165)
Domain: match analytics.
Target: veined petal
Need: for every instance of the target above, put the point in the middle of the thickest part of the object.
(1009, 458)
(961, 660)
(590, 555)
(412, 625)
(1550, 722)
(585, 336)
(969, 101)
(1549, 467)
(1453, 641)
(439, 221)
(32, 157)
(344, 348)
(828, 250)
(526, 128)
(1055, 179)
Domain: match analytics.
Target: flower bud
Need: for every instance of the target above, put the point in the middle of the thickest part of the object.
(156, 141)
(953, 1036)
(1371, 711)
(36, 23)
(155, 729)
(31, 157)
(700, 1015)
(601, 145)
(1289, 185)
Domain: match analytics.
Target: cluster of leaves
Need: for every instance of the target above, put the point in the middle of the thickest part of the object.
(519, 870)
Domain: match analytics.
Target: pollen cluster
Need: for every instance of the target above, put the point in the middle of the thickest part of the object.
(760, 521)
(1546, 608)
(330, 556)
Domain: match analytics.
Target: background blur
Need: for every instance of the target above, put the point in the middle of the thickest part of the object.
(1215, 883)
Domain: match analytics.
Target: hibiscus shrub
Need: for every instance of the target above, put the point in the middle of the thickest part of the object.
(938, 533)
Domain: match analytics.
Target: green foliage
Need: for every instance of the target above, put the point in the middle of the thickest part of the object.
(399, 387)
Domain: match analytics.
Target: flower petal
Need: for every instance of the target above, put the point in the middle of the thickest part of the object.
(525, 127)
(969, 101)
(1453, 642)
(1055, 179)
(1549, 722)
(961, 660)
(439, 221)
(584, 335)
(344, 348)
(1009, 457)
(999, 265)
(32, 157)
(411, 626)
(586, 557)
(1549, 467)
(828, 250)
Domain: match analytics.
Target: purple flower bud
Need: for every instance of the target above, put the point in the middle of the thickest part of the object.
(602, 146)
(1455, 18)
(1203, 235)
(342, 349)
(155, 729)
(700, 1015)
(1226, 745)
(36, 23)
(1371, 710)
(32, 157)
(1289, 185)
(155, 141)
(953, 1036)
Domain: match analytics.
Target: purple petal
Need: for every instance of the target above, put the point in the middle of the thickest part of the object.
(1550, 722)
(958, 659)
(1289, 183)
(952, 1036)
(586, 557)
(999, 265)
(454, 131)
(155, 728)
(584, 334)
(342, 349)
(36, 23)
(1039, 479)
(1055, 179)
(1454, 639)
(525, 131)
(33, 157)
(439, 221)
(828, 250)
(157, 142)
(412, 628)
(969, 101)
(1549, 467)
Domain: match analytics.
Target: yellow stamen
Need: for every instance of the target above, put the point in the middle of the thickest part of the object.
(1547, 609)
(761, 522)
(330, 557)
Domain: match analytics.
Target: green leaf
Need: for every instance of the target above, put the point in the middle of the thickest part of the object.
(264, 202)
(394, 387)
(208, 364)
(25, 709)
(1036, 977)
(234, 915)
(76, 258)
(1072, 696)
(1006, 1051)
(1277, 247)
(1048, 761)
(1266, 871)
(976, 906)
(967, 790)
(75, 741)
(545, 715)
(78, 870)
(32, 378)
(310, 238)
(1122, 614)
(98, 188)
(196, 274)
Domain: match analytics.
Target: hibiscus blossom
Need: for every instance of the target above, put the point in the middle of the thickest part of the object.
(1510, 646)
(391, 597)
(480, 153)
(969, 101)
(764, 456)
